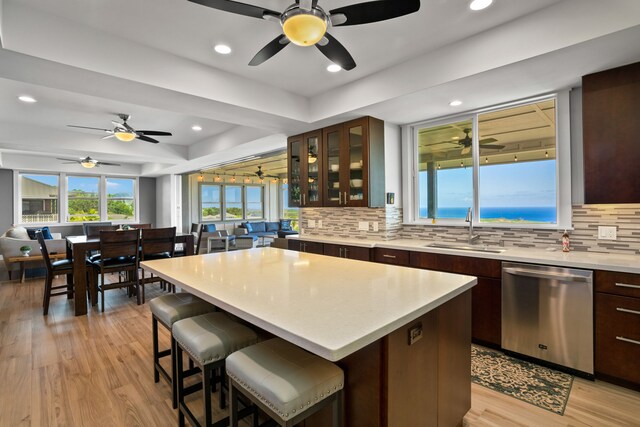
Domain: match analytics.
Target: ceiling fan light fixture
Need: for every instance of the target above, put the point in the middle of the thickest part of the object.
(480, 4)
(88, 163)
(304, 28)
(124, 136)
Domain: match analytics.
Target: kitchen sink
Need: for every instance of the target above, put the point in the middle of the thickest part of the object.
(463, 247)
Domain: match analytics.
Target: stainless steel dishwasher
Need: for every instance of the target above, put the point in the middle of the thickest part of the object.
(547, 313)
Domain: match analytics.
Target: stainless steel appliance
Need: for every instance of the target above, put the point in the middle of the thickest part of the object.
(547, 313)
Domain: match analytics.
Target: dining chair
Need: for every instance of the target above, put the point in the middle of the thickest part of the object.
(119, 252)
(201, 241)
(92, 231)
(55, 268)
(155, 243)
(195, 230)
(140, 226)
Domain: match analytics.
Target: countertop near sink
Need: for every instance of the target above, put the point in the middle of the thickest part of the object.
(589, 260)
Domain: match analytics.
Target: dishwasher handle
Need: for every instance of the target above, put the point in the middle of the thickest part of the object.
(546, 275)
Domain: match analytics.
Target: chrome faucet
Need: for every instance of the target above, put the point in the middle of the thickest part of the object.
(469, 219)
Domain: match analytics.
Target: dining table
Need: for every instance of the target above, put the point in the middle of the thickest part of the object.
(77, 249)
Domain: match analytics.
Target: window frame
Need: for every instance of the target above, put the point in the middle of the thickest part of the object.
(410, 175)
(63, 197)
(223, 201)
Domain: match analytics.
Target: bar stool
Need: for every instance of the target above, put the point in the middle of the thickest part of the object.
(208, 339)
(167, 310)
(286, 382)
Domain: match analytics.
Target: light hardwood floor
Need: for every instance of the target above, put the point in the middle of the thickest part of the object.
(96, 370)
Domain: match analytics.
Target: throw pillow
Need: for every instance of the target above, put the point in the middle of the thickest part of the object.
(272, 226)
(285, 224)
(208, 228)
(258, 227)
(249, 227)
(18, 233)
(46, 233)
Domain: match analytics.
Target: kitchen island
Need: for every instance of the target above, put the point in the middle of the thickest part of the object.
(402, 335)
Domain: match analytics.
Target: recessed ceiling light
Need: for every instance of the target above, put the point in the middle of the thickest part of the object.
(196, 128)
(455, 103)
(27, 98)
(222, 49)
(334, 68)
(480, 4)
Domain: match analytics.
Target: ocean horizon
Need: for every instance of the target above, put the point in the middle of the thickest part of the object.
(546, 214)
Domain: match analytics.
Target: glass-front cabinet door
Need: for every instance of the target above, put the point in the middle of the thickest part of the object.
(334, 191)
(295, 170)
(355, 136)
(312, 161)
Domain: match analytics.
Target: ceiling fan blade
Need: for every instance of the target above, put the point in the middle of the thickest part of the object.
(69, 163)
(119, 125)
(146, 138)
(68, 160)
(108, 164)
(273, 47)
(375, 11)
(465, 150)
(109, 136)
(154, 133)
(494, 147)
(337, 53)
(87, 127)
(238, 8)
(487, 140)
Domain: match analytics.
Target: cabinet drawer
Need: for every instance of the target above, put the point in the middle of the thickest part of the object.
(625, 284)
(347, 251)
(457, 264)
(618, 337)
(391, 256)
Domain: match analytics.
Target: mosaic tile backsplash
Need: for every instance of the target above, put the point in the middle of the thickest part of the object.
(344, 222)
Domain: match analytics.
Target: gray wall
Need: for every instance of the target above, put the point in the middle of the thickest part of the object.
(147, 200)
(6, 198)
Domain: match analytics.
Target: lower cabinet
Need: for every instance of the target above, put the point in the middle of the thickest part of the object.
(486, 296)
(391, 256)
(309, 247)
(347, 251)
(617, 328)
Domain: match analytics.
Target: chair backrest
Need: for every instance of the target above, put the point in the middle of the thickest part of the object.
(86, 225)
(201, 242)
(43, 249)
(119, 244)
(93, 231)
(195, 227)
(158, 240)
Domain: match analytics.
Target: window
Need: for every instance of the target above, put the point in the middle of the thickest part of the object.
(288, 212)
(501, 162)
(38, 198)
(83, 199)
(120, 199)
(254, 202)
(233, 202)
(210, 205)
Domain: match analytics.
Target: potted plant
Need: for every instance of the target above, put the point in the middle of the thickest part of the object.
(25, 250)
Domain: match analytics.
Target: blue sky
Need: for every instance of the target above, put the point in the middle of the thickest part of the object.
(525, 184)
(89, 183)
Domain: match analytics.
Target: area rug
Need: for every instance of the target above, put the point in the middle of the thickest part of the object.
(537, 385)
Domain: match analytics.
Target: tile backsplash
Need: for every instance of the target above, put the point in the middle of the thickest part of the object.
(345, 222)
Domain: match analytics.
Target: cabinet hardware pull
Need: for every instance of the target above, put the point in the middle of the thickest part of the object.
(340, 252)
(626, 310)
(628, 340)
(625, 285)
(388, 256)
(345, 252)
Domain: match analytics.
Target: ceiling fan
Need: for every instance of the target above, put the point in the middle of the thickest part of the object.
(467, 141)
(124, 132)
(260, 174)
(88, 162)
(304, 23)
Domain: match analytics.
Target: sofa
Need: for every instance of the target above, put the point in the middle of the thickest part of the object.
(257, 229)
(14, 238)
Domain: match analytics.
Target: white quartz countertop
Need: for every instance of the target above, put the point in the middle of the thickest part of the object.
(327, 305)
(588, 260)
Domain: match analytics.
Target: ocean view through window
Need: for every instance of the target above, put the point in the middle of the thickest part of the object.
(500, 162)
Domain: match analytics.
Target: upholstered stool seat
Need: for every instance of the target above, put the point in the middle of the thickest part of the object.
(167, 310)
(286, 381)
(208, 339)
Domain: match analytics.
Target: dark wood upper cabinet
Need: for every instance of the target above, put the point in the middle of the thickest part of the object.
(611, 133)
(342, 165)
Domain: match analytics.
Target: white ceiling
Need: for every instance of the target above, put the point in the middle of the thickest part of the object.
(153, 59)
